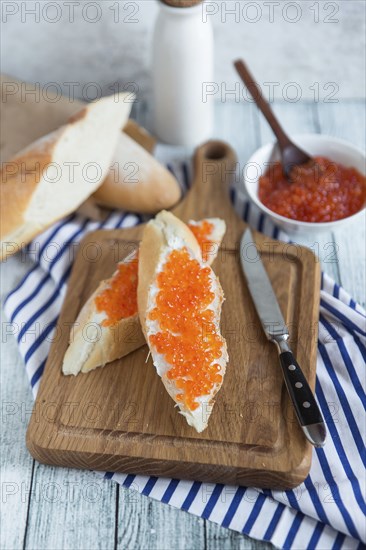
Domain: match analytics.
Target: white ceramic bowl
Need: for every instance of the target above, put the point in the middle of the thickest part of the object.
(314, 144)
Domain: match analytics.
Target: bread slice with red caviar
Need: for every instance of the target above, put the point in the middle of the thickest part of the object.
(108, 326)
(179, 302)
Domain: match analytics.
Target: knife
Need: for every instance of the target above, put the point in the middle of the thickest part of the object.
(307, 411)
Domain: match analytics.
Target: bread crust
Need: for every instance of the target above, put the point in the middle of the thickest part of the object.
(137, 181)
(19, 179)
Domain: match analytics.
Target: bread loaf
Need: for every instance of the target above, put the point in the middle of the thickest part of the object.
(54, 175)
(137, 181)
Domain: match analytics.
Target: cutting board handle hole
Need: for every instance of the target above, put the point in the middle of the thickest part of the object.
(216, 151)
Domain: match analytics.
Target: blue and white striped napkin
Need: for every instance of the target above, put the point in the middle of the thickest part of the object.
(328, 510)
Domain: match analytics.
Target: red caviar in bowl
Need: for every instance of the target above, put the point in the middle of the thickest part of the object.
(119, 299)
(203, 232)
(320, 191)
(187, 337)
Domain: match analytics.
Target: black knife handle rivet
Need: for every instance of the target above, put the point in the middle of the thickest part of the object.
(298, 385)
(292, 367)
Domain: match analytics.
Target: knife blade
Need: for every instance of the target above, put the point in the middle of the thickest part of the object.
(265, 301)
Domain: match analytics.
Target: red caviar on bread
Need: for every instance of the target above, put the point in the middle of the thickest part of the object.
(209, 234)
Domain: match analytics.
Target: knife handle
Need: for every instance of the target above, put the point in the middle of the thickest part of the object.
(306, 407)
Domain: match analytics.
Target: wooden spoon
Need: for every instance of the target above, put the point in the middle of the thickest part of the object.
(291, 154)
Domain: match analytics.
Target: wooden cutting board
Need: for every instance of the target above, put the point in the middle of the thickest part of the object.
(120, 418)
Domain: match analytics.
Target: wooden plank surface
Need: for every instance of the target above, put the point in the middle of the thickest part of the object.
(16, 464)
(144, 523)
(65, 505)
(15, 387)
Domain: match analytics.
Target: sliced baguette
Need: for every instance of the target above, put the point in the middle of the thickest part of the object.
(86, 351)
(137, 181)
(162, 236)
(54, 175)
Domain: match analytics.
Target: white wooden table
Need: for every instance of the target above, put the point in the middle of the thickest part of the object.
(54, 508)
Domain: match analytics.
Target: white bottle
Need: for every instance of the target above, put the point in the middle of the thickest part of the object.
(183, 69)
